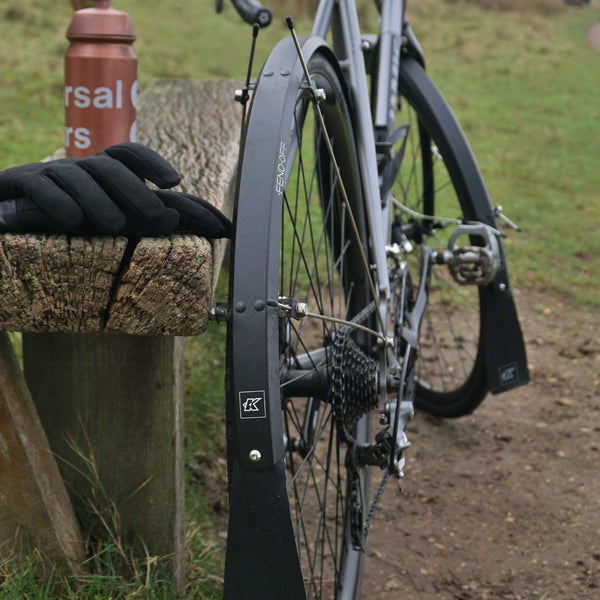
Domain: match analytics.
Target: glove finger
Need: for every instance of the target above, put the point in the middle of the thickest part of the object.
(197, 215)
(145, 162)
(99, 209)
(55, 202)
(164, 225)
(123, 187)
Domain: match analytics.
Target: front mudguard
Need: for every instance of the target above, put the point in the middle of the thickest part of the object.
(262, 559)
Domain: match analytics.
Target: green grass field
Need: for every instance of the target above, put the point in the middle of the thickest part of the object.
(524, 84)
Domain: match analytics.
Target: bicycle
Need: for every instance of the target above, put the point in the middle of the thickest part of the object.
(342, 316)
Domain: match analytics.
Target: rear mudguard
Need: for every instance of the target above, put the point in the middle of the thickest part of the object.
(262, 560)
(503, 344)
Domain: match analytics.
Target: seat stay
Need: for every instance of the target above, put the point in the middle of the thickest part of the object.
(341, 18)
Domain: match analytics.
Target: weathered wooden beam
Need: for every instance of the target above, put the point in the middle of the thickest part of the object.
(57, 283)
(35, 510)
(178, 275)
(157, 286)
(152, 286)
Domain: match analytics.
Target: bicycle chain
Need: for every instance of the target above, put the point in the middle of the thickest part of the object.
(375, 503)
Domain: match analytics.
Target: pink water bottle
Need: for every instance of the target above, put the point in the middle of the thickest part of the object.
(100, 80)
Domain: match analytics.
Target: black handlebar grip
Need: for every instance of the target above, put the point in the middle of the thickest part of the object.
(253, 11)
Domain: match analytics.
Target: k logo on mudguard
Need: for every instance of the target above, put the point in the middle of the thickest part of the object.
(253, 405)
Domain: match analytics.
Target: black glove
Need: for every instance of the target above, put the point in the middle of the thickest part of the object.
(196, 215)
(102, 194)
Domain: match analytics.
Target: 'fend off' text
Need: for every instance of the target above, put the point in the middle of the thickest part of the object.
(280, 175)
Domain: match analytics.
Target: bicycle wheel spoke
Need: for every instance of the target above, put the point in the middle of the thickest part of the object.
(319, 497)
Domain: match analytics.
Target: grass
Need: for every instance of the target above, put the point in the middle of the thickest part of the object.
(521, 79)
(109, 575)
(522, 86)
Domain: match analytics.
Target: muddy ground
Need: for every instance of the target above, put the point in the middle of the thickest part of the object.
(504, 504)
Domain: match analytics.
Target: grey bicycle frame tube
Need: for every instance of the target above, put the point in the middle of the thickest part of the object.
(354, 66)
(390, 41)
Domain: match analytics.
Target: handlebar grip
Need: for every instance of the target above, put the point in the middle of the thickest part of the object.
(253, 11)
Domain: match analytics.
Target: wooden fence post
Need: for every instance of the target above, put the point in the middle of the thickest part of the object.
(112, 406)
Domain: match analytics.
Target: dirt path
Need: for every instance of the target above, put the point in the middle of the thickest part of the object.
(504, 504)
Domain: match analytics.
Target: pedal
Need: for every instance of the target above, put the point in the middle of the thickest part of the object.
(472, 265)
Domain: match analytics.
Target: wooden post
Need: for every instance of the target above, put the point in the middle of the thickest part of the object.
(112, 405)
(34, 506)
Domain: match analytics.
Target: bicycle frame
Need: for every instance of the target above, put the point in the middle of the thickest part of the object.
(372, 127)
(503, 344)
(341, 18)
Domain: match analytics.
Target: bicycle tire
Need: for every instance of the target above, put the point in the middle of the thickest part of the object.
(450, 372)
(306, 252)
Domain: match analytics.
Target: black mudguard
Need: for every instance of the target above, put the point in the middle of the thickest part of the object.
(503, 344)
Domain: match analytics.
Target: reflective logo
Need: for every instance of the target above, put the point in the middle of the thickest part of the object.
(280, 175)
(508, 374)
(253, 405)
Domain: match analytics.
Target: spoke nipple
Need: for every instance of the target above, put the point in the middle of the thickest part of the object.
(290, 22)
(255, 456)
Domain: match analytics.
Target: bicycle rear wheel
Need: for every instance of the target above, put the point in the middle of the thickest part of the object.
(439, 178)
(308, 250)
